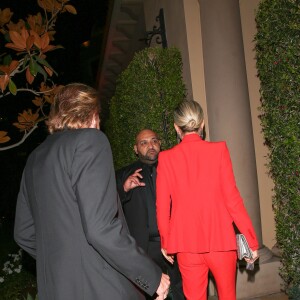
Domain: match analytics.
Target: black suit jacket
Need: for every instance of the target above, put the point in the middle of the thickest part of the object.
(68, 216)
(135, 202)
(136, 210)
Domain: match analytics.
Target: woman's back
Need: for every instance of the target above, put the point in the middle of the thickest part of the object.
(198, 177)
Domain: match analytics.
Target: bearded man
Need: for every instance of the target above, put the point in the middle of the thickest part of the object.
(136, 185)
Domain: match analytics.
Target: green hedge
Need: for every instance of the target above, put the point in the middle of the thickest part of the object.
(146, 94)
(17, 268)
(278, 64)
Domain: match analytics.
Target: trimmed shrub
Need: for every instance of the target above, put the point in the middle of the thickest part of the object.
(278, 64)
(147, 93)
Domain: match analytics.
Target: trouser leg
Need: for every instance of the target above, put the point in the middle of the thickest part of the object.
(223, 267)
(194, 269)
(194, 272)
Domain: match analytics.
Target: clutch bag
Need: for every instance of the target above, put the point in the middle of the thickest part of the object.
(243, 249)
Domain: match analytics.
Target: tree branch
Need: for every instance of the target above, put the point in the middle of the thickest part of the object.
(28, 90)
(25, 136)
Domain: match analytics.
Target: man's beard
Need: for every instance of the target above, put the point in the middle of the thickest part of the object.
(150, 159)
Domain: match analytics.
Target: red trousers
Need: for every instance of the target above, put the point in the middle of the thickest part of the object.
(194, 269)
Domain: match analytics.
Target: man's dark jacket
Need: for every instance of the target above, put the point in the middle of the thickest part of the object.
(68, 217)
(139, 205)
(135, 202)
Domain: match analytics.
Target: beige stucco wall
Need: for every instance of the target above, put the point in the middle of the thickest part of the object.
(194, 47)
(182, 21)
(183, 29)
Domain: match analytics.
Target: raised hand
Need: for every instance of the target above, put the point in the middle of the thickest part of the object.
(133, 181)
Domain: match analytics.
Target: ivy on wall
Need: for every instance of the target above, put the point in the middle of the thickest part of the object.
(278, 64)
(147, 93)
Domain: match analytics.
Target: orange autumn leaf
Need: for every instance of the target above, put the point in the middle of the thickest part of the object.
(71, 9)
(44, 88)
(3, 137)
(4, 79)
(16, 26)
(5, 16)
(29, 43)
(54, 6)
(49, 71)
(47, 90)
(19, 40)
(29, 76)
(49, 99)
(8, 69)
(50, 92)
(42, 42)
(38, 101)
(51, 5)
(26, 120)
(36, 23)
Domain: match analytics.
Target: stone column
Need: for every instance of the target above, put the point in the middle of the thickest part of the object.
(227, 95)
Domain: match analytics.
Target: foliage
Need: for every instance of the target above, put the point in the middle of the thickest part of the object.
(146, 94)
(17, 274)
(18, 285)
(278, 64)
(11, 266)
(24, 66)
(29, 297)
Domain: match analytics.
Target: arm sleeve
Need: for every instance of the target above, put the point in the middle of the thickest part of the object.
(94, 183)
(24, 229)
(163, 201)
(234, 201)
(120, 178)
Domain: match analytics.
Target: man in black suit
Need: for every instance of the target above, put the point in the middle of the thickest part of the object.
(69, 216)
(136, 185)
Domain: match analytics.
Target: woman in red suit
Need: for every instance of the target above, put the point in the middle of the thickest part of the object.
(197, 204)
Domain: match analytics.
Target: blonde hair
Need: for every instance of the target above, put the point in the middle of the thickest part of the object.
(74, 107)
(188, 116)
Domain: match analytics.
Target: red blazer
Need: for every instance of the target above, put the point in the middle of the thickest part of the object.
(197, 199)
